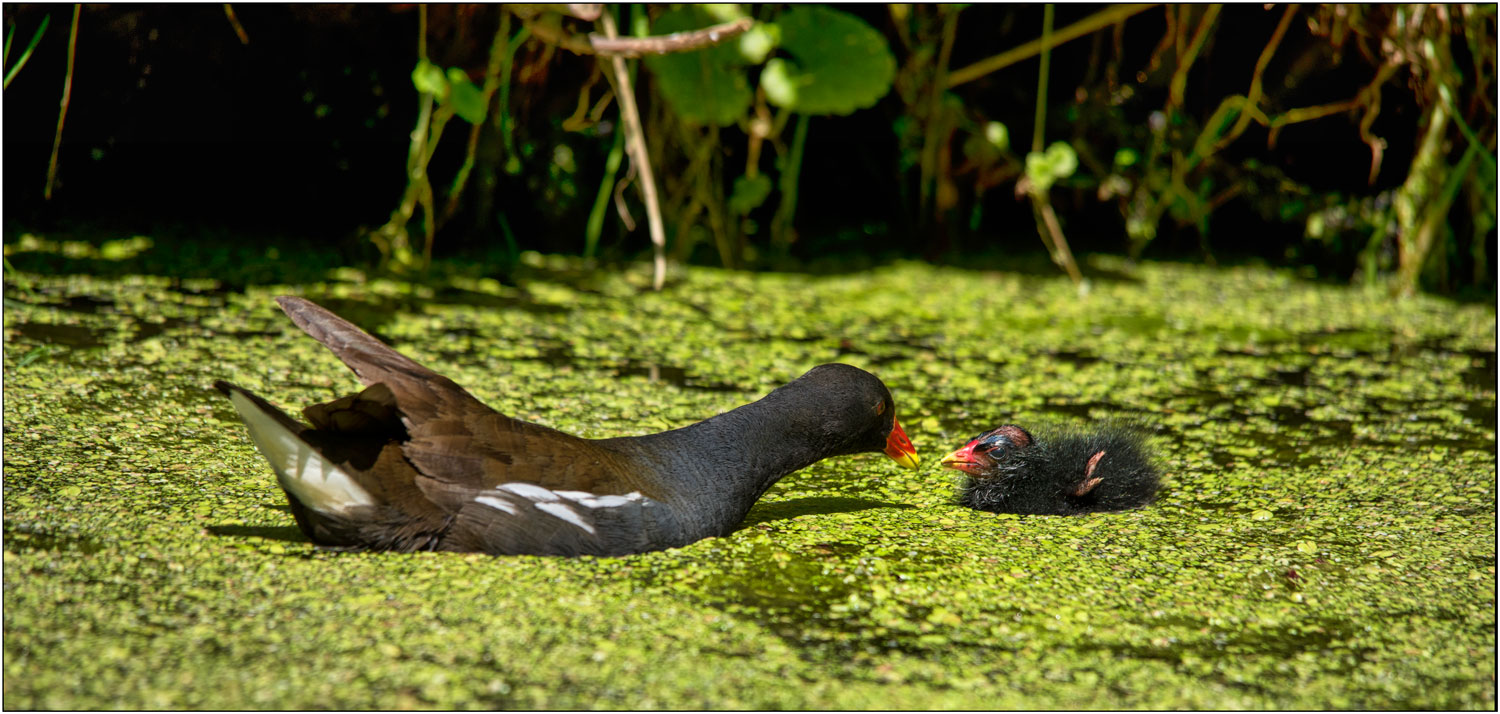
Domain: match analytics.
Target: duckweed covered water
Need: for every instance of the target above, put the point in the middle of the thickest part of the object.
(1325, 536)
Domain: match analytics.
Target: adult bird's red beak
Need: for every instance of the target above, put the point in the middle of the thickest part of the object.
(899, 448)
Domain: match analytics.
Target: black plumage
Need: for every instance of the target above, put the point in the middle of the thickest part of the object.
(1060, 471)
(415, 462)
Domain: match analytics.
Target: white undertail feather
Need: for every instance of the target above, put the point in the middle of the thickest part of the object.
(315, 481)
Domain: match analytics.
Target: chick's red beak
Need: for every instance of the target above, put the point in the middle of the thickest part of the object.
(963, 459)
(899, 448)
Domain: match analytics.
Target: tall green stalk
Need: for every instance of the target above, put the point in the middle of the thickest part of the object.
(601, 201)
(781, 224)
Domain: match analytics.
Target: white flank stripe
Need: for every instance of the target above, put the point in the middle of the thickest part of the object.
(315, 481)
(497, 504)
(563, 511)
(529, 491)
(579, 496)
(612, 501)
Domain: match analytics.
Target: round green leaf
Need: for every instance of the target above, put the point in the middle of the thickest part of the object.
(707, 85)
(997, 135)
(782, 82)
(1063, 159)
(1038, 170)
(749, 193)
(467, 99)
(1045, 168)
(758, 41)
(839, 64)
(429, 79)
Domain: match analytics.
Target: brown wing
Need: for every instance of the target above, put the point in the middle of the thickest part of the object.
(457, 443)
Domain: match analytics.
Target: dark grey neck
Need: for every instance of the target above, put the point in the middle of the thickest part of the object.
(715, 470)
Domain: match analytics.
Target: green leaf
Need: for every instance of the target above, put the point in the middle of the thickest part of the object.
(467, 99)
(749, 193)
(838, 64)
(756, 43)
(1063, 158)
(1316, 226)
(997, 135)
(782, 82)
(1038, 170)
(430, 80)
(1126, 157)
(1045, 168)
(707, 85)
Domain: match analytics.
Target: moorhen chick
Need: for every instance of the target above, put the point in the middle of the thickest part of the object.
(1066, 472)
(415, 463)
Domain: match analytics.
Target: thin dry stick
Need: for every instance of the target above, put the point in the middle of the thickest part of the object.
(1059, 243)
(613, 46)
(62, 113)
(235, 22)
(1103, 18)
(635, 144)
(665, 44)
(1166, 40)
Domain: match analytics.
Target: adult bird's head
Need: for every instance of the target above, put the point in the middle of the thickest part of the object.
(857, 408)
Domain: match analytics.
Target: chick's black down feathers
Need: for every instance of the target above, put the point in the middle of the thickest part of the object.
(1062, 471)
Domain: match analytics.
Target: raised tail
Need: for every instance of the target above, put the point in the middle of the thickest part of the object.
(420, 393)
(372, 360)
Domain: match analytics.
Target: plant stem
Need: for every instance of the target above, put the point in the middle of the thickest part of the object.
(500, 53)
(635, 143)
(781, 223)
(935, 116)
(62, 113)
(1048, 226)
(1052, 235)
(1041, 82)
(1414, 203)
(239, 30)
(1257, 79)
(1103, 18)
(601, 201)
(1179, 77)
(36, 38)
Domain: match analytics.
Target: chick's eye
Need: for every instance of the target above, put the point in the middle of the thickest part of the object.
(996, 444)
(994, 448)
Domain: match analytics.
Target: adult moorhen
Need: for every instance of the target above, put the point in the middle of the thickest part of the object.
(414, 462)
(1068, 472)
